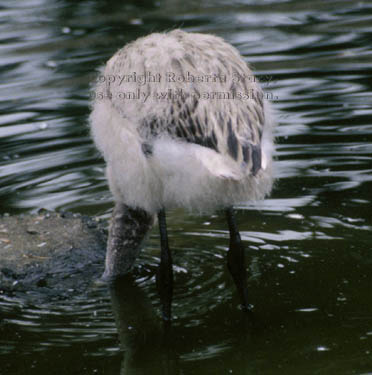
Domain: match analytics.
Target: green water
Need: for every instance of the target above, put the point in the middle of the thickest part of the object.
(308, 246)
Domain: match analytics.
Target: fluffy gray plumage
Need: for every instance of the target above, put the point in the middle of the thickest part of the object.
(201, 142)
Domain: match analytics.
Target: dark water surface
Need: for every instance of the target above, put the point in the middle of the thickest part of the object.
(309, 245)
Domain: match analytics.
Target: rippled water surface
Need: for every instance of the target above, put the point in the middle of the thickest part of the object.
(309, 245)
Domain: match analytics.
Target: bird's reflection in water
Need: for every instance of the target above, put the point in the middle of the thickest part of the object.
(149, 346)
(144, 340)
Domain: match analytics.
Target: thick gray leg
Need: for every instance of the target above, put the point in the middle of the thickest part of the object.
(235, 259)
(128, 229)
(164, 276)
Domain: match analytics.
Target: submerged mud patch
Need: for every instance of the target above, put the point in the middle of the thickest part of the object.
(49, 254)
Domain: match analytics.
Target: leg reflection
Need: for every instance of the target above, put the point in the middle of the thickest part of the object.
(144, 341)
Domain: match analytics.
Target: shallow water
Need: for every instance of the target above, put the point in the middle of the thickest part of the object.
(309, 245)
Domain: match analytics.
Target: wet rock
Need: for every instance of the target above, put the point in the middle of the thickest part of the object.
(50, 252)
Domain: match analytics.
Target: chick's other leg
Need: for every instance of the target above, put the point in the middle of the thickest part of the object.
(164, 276)
(236, 259)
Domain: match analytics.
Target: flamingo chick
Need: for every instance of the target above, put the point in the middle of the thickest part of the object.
(181, 122)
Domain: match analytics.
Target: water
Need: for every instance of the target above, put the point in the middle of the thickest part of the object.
(308, 245)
